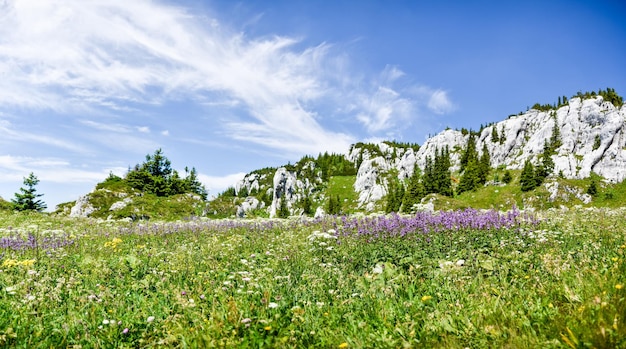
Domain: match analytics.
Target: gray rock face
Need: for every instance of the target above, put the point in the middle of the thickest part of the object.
(82, 207)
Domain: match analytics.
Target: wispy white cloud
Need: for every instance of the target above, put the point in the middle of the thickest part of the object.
(9, 133)
(72, 55)
(14, 168)
(217, 184)
(440, 103)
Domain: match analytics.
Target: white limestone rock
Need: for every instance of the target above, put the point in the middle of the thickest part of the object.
(82, 207)
(579, 123)
(120, 204)
(250, 204)
(319, 212)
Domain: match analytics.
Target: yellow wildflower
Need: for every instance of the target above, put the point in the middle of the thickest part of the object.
(343, 345)
(27, 262)
(426, 298)
(619, 286)
(267, 328)
(9, 263)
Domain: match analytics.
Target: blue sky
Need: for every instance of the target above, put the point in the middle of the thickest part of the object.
(91, 87)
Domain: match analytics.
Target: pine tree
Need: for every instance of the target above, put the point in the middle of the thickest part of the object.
(414, 192)
(494, 135)
(502, 135)
(27, 199)
(469, 152)
(593, 188)
(507, 178)
(484, 165)
(470, 178)
(429, 177)
(442, 173)
(527, 178)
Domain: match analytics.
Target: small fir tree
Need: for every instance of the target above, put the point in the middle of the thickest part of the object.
(527, 178)
(494, 135)
(593, 188)
(28, 200)
(507, 178)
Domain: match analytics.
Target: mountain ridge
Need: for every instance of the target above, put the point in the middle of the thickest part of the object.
(585, 137)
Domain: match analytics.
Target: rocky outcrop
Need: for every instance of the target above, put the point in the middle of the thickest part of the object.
(120, 204)
(250, 204)
(82, 207)
(289, 188)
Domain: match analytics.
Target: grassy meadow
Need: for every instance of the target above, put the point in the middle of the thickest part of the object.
(450, 279)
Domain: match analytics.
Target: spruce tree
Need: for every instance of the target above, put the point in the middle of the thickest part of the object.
(593, 188)
(507, 178)
(414, 192)
(494, 135)
(442, 172)
(429, 178)
(484, 165)
(28, 200)
(502, 135)
(470, 178)
(469, 152)
(527, 178)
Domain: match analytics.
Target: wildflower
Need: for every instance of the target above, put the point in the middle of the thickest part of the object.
(272, 305)
(619, 286)
(343, 345)
(105, 322)
(267, 328)
(150, 319)
(246, 320)
(125, 331)
(426, 298)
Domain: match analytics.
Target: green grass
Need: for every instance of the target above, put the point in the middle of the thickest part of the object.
(344, 187)
(559, 285)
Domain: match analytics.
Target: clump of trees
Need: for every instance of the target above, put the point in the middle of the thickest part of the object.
(156, 176)
(474, 168)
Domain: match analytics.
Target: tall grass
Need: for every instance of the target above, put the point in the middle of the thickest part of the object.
(554, 282)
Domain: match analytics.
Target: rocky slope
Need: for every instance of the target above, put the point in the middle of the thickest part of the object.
(592, 139)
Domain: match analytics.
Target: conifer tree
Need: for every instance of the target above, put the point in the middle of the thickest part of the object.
(470, 178)
(502, 135)
(484, 165)
(442, 172)
(507, 178)
(593, 188)
(414, 192)
(469, 152)
(429, 178)
(28, 200)
(494, 135)
(527, 179)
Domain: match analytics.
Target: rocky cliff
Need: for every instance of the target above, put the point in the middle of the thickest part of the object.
(592, 138)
